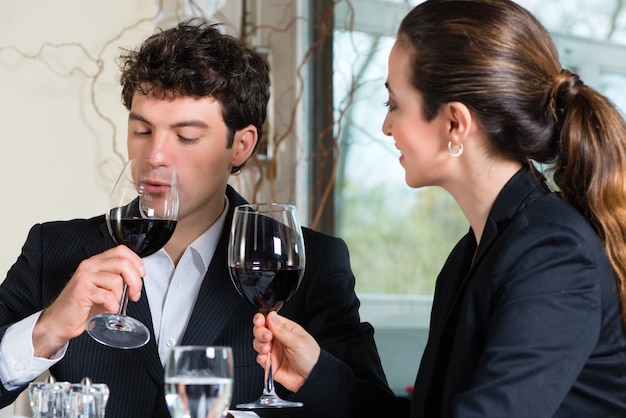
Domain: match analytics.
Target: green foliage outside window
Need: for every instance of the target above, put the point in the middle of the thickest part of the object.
(399, 241)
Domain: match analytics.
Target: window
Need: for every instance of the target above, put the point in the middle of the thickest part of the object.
(399, 237)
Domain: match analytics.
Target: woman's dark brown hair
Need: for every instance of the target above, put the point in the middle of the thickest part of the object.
(496, 58)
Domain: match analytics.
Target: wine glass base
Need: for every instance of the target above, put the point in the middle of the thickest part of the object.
(118, 331)
(270, 401)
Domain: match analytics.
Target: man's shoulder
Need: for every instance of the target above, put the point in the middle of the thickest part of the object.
(74, 223)
(72, 228)
(317, 244)
(319, 237)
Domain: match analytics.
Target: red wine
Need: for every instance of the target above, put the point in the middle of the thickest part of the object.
(268, 290)
(143, 236)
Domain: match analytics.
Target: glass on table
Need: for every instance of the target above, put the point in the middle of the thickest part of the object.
(199, 381)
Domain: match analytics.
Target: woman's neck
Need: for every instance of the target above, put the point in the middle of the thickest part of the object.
(476, 188)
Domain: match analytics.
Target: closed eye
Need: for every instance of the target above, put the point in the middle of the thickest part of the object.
(187, 140)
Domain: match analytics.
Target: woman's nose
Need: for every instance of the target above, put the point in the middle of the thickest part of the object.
(386, 128)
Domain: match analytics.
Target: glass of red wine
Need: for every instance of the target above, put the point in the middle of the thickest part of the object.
(267, 260)
(142, 214)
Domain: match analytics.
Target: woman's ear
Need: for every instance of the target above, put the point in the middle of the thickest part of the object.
(244, 144)
(460, 121)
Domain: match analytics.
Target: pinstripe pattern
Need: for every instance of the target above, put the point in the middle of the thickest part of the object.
(325, 304)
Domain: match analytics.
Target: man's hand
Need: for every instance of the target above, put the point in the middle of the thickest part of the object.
(95, 287)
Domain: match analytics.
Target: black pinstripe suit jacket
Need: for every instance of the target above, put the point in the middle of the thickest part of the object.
(325, 305)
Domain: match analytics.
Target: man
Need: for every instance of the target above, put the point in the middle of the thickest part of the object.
(197, 101)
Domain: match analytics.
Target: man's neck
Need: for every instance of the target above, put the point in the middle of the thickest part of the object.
(188, 230)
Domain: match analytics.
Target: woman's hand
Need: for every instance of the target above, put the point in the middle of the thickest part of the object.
(294, 351)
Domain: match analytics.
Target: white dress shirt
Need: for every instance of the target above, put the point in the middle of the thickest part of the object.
(172, 291)
(171, 294)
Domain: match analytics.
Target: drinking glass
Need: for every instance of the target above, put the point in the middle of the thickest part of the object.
(267, 260)
(199, 381)
(142, 214)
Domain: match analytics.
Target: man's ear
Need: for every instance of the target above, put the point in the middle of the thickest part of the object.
(243, 145)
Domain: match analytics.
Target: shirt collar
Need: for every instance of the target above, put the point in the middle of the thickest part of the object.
(204, 246)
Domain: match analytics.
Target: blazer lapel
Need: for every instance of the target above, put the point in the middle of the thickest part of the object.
(214, 302)
(456, 275)
(214, 305)
(148, 354)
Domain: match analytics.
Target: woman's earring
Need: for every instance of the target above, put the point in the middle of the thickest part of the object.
(458, 152)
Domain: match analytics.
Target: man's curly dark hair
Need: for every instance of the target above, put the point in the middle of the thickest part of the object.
(196, 59)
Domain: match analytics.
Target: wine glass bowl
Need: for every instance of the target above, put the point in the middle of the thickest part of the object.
(142, 214)
(267, 260)
(143, 207)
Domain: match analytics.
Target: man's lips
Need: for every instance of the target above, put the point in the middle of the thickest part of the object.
(154, 187)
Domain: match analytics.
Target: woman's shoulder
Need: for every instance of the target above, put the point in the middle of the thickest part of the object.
(551, 211)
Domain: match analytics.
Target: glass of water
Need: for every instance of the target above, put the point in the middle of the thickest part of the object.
(199, 381)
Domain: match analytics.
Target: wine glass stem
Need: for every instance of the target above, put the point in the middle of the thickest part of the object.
(269, 378)
(123, 301)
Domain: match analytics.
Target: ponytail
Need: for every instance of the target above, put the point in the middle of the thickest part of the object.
(590, 169)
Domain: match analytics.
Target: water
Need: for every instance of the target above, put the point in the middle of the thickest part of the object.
(198, 396)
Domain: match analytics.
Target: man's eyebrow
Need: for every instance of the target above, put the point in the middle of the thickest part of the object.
(134, 116)
(197, 123)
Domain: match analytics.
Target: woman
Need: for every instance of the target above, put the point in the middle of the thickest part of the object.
(527, 317)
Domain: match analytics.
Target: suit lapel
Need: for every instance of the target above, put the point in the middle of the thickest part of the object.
(214, 302)
(454, 279)
(148, 354)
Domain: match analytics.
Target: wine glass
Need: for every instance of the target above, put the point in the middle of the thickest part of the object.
(199, 381)
(142, 214)
(267, 260)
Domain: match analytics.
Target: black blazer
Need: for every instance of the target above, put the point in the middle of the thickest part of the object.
(325, 305)
(525, 325)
